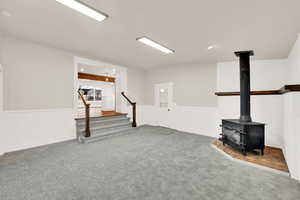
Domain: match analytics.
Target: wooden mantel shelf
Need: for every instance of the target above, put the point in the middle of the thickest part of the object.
(283, 90)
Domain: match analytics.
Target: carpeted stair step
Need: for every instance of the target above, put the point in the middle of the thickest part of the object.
(102, 119)
(103, 127)
(81, 126)
(98, 128)
(104, 135)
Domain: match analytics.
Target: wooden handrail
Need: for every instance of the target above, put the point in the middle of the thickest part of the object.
(82, 98)
(133, 104)
(123, 94)
(87, 115)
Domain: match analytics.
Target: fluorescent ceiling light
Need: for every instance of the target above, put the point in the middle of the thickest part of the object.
(155, 45)
(84, 9)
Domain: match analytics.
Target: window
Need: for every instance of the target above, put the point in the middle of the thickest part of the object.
(91, 94)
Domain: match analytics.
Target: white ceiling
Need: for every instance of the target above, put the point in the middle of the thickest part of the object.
(269, 27)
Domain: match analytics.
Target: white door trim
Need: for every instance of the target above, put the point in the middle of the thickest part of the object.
(170, 87)
(163, 113)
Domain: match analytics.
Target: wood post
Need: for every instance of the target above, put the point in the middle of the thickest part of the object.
(87, 121)
(134, 114)
(87, 116)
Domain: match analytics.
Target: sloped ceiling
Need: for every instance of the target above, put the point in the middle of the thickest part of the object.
(269, 27)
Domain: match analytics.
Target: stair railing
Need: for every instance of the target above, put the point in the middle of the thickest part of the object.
(133, 104)
(87, 115)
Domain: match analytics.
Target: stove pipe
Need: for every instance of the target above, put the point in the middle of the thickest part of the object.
(245, 84)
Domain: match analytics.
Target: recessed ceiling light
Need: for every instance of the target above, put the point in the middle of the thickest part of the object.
(155, 45)
(6, 13)
(212, 47)
(84, 9)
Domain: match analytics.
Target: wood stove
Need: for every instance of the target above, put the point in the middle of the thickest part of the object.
(243, 134)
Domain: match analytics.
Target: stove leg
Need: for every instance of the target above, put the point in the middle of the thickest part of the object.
(262, 151)
(244, 152)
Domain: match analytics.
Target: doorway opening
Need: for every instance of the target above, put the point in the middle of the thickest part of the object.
(99, 91)
(164, 103)
(100, 85)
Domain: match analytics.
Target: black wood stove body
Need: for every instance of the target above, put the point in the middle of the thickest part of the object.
(242, 133)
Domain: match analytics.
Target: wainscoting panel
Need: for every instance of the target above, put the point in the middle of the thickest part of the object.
(32, 128)
(198, 120)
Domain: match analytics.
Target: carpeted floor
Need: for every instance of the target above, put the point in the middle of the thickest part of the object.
(149, 163)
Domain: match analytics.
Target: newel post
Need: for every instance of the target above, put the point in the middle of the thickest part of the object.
(87, 121)
(134, 114)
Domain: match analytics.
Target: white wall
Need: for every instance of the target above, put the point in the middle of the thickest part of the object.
(266, 109)
(1, 74)
(38, 95)
(293, 75)
(31, 128)
(264, 74)
(292, 114)
(194, 87)
(136, 83)
(36, 76)
(41, 77)
(197, 120)
(291, 133)
(194, 84)
(1, 88)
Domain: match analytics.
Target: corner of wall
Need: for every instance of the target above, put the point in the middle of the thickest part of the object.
(291, 112)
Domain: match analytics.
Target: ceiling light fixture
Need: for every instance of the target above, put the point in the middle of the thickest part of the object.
(212, 47)
(5, 13)
(106, 79)
(84, 9)
(155, 45)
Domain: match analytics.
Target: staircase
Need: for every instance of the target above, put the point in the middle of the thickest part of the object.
(103, 127)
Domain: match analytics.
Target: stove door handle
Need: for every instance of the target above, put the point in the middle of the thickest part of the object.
(232, 129)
